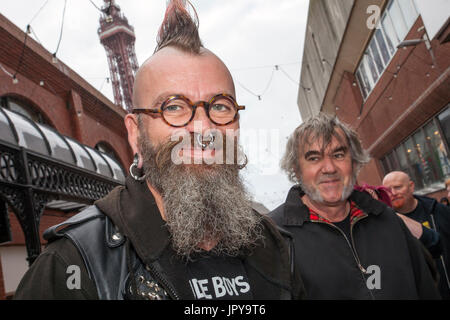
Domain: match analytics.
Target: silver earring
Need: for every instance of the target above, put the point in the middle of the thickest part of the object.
(135, 165)
(241, 166)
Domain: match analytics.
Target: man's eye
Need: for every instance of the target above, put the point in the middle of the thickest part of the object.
(339, 155)
(173, 108)
(220, 108)
(313, 159)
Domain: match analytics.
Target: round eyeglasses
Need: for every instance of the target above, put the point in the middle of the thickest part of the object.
(178, 111)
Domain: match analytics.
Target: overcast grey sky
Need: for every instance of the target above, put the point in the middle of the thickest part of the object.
(250, 36)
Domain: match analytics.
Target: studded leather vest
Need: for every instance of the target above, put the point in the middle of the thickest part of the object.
(116, 270)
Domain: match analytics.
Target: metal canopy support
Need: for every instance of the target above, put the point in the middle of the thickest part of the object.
(5, 228)
(29, 180)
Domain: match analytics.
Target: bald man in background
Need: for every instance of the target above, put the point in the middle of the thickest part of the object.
(428, 221)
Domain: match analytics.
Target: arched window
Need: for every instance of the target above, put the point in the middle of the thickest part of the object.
(24, 108)
(105, 148)
(114, 162)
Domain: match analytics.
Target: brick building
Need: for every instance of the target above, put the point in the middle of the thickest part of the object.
(389, 81)
(47, 91)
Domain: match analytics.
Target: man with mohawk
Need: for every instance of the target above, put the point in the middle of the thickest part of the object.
(182, 227)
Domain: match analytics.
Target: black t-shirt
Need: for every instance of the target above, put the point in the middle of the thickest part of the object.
(419, 214)
(218, 277)
(344, 225)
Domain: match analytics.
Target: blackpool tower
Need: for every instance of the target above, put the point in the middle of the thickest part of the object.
(118, 38)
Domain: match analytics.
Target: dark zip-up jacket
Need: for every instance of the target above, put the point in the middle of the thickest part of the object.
(438, 217)
(381, 260)
(122, 247)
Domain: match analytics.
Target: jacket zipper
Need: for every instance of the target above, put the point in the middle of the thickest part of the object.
(163, 281)
(353, 243)
(352, 248)
(358, 263)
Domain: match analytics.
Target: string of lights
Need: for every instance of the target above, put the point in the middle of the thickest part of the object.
(6, 71)
(276, 67)
(103, 83)
(265, 66)
(35, 35)
(268, 83)
(29, 30)
(37, 13)
(96, 7)
(15, 80)
(287, 75)
(61, 30)
(259, 95)
(105, 10)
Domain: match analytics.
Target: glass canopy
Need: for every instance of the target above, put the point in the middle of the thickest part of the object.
(19, 130)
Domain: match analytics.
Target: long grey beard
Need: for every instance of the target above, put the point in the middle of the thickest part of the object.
(202, 202)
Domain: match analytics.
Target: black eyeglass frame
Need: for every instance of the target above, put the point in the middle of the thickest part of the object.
(205, 104)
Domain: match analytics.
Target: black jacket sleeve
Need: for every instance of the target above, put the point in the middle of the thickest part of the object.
(58, 273)
(442, 219)
(423, 267)
(431, 240)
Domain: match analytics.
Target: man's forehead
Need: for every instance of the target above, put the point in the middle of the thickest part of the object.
(172, 71)
(314, 143)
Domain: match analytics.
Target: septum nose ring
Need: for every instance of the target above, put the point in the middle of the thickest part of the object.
(204, 143)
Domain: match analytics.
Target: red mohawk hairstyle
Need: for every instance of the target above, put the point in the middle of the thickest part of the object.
(179, 28)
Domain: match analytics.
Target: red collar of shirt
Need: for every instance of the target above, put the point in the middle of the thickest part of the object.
(355, 212)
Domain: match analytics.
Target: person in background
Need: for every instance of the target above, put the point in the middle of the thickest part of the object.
(444, 201)
(379, 193)
(428, 221)
(347, 244)
(383, 194)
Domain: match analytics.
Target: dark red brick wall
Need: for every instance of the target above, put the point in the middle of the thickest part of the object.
(68, 103)
(84, 126)
(398, 105)
(48, 219)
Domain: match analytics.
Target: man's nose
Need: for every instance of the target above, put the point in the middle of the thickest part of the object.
(328, 165)
(201, 121)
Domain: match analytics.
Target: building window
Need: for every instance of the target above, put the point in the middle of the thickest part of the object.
(424, 155)
(103, 147)
(23, 108)
(396, 21)
(109, 154)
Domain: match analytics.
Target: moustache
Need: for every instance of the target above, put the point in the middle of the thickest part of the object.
(326, 178)
(226, 147)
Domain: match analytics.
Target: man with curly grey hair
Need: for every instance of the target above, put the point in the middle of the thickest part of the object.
(347, 244)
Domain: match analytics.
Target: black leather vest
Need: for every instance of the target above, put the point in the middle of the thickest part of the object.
(115, 268)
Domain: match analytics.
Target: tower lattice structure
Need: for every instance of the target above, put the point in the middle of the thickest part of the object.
(117, 36)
